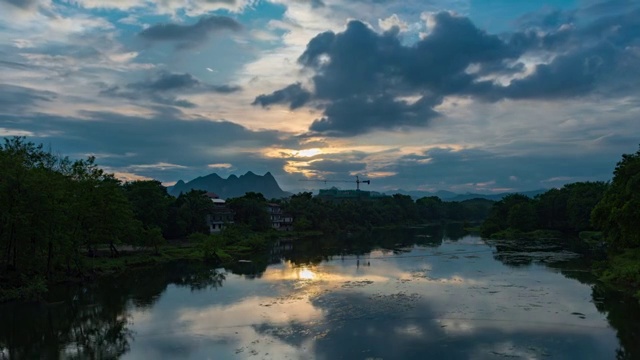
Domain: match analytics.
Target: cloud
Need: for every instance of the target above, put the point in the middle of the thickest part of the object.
(362, 79)
(188, 36)
(477, 170)
(357, 115)
(293, 94)
(392, 21)
(22, 4)
(185, 82)
(547, 19)
(165, 87)
(165, 146)
(170, 7)
(18, 98)
(336, 166)
(220, 166)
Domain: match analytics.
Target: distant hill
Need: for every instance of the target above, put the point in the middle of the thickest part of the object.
(451, 196)
(233, 186)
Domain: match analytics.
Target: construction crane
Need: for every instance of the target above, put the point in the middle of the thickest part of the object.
(357, 181)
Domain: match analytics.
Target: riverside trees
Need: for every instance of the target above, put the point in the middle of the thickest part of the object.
(53, 209)
(565, 210)
(55, 213)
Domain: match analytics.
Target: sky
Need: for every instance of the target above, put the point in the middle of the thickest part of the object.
(481, 96)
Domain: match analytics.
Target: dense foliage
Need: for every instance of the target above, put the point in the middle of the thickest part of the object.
(565, 210)
(57, 214)
(618, 214)
(604, 214)
(310, 213)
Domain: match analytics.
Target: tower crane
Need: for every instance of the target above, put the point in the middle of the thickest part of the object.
(357, 181)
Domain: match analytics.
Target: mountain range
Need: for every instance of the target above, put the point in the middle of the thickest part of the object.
(236, 186)
(233, 186)
(451, 196)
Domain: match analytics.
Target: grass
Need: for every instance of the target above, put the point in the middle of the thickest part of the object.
(220, 249)
(622, 271)
(511, 234)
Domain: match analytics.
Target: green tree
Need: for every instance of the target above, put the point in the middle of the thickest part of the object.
(522, 216)
(150, 202)
(514, 210)
(188, 214)
(251, 210)
(583, 197)
(618, 213)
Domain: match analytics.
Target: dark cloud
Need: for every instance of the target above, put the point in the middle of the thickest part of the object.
(482, 171)
(336, 166)
(187, 36)
(568, 75)
(185, 82)
(22, 4)
(547, 19)
(315, 4)
(165, 88)
(356, 115)
(15, 65)
(120, 141)
(293, 94)
(362, 78)
(18, 98)
(609, 6)
(156, 97)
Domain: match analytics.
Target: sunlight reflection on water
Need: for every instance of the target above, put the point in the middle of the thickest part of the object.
(423, 302)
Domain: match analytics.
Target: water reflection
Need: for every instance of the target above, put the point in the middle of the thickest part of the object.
(94, 321)
(412, 294)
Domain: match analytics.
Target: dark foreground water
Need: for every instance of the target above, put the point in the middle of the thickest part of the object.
(419, 294)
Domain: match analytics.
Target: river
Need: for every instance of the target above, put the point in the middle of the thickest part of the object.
(431, 293)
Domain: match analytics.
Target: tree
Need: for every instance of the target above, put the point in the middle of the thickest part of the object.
(150, 202)
(618, 213)
(514, 210)
(187, 214)
(552, 209)
(583, 197)
(251, 210)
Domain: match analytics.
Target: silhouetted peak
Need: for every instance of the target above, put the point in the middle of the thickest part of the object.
(234, 185)
(213, 176)
(179, 183)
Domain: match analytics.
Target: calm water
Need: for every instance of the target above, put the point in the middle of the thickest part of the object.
(418, 294)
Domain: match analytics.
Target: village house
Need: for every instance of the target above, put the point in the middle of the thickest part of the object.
(220, 215)
(279, 220)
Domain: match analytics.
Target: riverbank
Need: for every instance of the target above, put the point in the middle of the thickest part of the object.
(619, 271)
(223, 250)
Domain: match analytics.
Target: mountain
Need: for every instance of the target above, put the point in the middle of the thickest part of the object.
(495, 197)
(451, 196)
(233, 186)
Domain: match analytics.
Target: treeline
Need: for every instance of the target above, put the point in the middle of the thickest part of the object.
(605, 213)
(310, 213)
(56, 213)
(314, 214)
(566, 210)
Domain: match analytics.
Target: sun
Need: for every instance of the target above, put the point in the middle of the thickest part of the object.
(306, 274)
(308, 152)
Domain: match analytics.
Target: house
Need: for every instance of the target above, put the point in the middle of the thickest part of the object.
(279, 220)
(220, 214)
